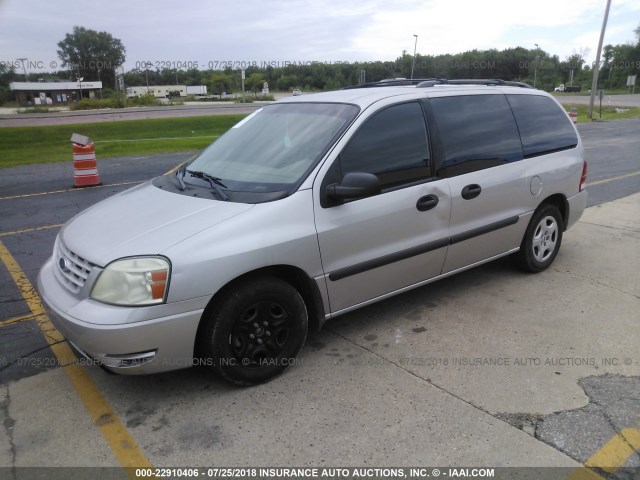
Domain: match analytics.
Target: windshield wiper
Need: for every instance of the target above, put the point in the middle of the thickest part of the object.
(215, 182)
(180, 176)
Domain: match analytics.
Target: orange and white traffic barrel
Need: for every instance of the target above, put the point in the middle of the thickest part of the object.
(85, 167)
(573, 115)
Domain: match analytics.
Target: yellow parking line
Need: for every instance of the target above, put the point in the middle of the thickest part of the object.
(174, 169)
(21, 318)
(37, 194)
(27, 230)
(180, 164)
(612, 179)
(611, 457)
(616, 451)
(117, 436)
(26, 195)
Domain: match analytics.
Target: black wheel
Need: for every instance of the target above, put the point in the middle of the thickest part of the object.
(542, 240)
(256, 331)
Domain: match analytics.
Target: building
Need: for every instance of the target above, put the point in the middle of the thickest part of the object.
(158, 91)
(167, 91)
(53, 93)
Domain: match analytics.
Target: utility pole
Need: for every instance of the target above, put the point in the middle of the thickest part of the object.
(415, 46)
(596, 68)
(243, 99)
(535, 66)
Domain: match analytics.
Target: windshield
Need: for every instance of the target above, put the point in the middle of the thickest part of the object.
(274, 148)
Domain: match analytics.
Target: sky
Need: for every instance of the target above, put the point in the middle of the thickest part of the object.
(215, 34)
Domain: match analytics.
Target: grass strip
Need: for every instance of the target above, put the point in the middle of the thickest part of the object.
(48, 144)
(608, 112)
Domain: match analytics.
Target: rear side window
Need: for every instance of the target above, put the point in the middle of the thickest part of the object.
(476, 132)
(392, 144)
(544, 126)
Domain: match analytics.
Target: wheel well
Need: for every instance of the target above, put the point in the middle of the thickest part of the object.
(560, 202)
(294, 276)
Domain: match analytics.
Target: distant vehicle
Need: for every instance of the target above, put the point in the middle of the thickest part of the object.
(198, 90)
(568, 88)
(297, 92)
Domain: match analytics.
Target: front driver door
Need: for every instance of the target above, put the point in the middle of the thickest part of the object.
(377, 245)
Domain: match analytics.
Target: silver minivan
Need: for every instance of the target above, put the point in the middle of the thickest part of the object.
(309, 208)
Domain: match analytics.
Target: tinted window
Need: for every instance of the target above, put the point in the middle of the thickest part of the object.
(476, 132)
(392, 145)
(544, 126)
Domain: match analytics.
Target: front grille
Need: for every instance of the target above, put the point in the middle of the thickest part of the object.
(72, 269)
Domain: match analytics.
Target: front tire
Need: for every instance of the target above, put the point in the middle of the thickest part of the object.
(256, 331)
(542, 239)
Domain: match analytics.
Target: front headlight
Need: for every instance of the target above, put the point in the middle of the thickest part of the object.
(133, 281)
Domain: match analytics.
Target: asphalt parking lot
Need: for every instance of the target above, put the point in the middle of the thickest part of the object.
(490, 368)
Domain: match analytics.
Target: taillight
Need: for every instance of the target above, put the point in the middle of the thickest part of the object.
(583, 178)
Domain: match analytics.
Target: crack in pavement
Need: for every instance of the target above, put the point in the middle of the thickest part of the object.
(610, 226)
(595, 282)
(8, 424)
(27, 355)
(428, 380)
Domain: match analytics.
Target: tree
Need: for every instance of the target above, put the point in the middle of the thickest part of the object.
(7, 75)
(220, 82)
(254, 82)
(620, 61)
(92, 55)
(574, 64)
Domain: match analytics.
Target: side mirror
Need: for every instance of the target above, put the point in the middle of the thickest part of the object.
(354, 185)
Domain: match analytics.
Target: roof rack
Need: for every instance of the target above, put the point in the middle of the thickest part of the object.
(431, 82)
(472, 81)
(392, 82)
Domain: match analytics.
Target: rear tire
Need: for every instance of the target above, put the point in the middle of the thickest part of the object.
(256, 331)
(542, 239)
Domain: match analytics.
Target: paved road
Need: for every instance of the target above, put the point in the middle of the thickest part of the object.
(133, 113)
(488, 368)
(612, 150)
(614, 100)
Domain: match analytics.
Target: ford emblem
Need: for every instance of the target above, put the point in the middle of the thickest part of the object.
(63, 263)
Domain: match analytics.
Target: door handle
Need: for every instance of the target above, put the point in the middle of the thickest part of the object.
(427, 202)
(471, 191)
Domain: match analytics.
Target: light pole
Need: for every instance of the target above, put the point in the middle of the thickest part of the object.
(596, 67)
(415, 46)
(535, 66)
(80, 79)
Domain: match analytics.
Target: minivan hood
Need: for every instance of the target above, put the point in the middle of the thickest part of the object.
(144, 220)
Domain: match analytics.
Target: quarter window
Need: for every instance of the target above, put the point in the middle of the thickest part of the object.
(392, 145)
(476, 132)
(544, 126)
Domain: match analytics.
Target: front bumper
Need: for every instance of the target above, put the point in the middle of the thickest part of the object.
(126, 340)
